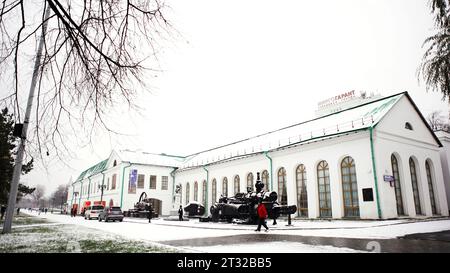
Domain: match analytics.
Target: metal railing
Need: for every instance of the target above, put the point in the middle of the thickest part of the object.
(301, 137)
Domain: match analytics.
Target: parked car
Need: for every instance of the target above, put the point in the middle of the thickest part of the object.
(93, 212)
(112, 213)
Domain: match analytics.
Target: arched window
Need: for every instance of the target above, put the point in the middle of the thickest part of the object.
(214, 191)
(349, 187)
(204, 193)
(431, 188)
(282, 191)
(237, 187)
(114, 163)
(225, 187)
(195, 191)
(187, 192)
(265, 180)
(408, 126)
(250, 181)
(323, 180)
(398, 189)
(415, 186)
(302, 196)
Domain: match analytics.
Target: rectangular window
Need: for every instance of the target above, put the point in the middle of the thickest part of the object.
(141, 179)
(164, 182)
(113, 186)
(153, 182)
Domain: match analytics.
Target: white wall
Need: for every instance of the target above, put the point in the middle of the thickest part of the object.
(391, 137)
(445, 161)
(165, 196)
(122, 170)
(332, 150)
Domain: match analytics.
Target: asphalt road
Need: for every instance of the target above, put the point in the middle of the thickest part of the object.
(417, 243)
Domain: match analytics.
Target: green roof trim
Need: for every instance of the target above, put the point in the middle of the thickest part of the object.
(97, 168)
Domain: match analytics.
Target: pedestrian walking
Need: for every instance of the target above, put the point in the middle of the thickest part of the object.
(18, 211)
(262, 215)
(180, 213)
(2, 211)
(150, 213)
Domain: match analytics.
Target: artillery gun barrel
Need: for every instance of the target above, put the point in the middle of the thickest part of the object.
(285, 209)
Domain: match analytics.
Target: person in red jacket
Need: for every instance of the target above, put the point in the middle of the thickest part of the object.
(262, 215)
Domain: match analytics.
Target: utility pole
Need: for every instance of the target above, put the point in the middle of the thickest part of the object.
(19, 158)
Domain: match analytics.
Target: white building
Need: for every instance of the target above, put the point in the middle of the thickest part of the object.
(125, 175)
(444, 137)
(377, 160)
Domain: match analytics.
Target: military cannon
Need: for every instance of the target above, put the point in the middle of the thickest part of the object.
(141, 208)
(242, 206)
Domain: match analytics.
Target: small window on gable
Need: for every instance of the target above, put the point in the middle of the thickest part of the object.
(408, 126)
(115, 163)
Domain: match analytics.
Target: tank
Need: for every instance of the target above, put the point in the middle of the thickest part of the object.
(241, 208)
(194, 209)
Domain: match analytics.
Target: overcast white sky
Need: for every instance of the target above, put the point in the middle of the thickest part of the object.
(246, 67)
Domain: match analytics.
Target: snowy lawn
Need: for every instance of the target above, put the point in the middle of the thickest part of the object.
(24, 219)
(60, 238)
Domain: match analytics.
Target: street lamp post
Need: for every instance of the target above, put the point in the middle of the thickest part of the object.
(76, 194)
(101, 188)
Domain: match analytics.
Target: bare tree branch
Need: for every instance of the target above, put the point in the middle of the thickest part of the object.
(95, 55)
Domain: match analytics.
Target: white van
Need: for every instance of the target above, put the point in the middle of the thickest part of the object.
(93, 211)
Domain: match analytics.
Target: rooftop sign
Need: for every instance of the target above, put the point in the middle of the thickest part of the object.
(337, 99)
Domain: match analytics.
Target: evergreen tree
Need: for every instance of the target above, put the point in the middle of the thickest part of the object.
(8, 145)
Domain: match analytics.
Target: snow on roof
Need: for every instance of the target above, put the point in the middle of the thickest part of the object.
(356, 118)
(353, 119)
(140, 157)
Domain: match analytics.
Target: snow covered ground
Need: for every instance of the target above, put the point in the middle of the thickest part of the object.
(62, 238)
(141, 229)
(160, 230)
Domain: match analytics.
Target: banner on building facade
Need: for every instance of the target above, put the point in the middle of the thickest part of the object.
(132, 182)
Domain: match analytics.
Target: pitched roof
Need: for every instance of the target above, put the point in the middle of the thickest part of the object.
(140, 157)
(97, 168)
(423, 119)
(356, 118)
